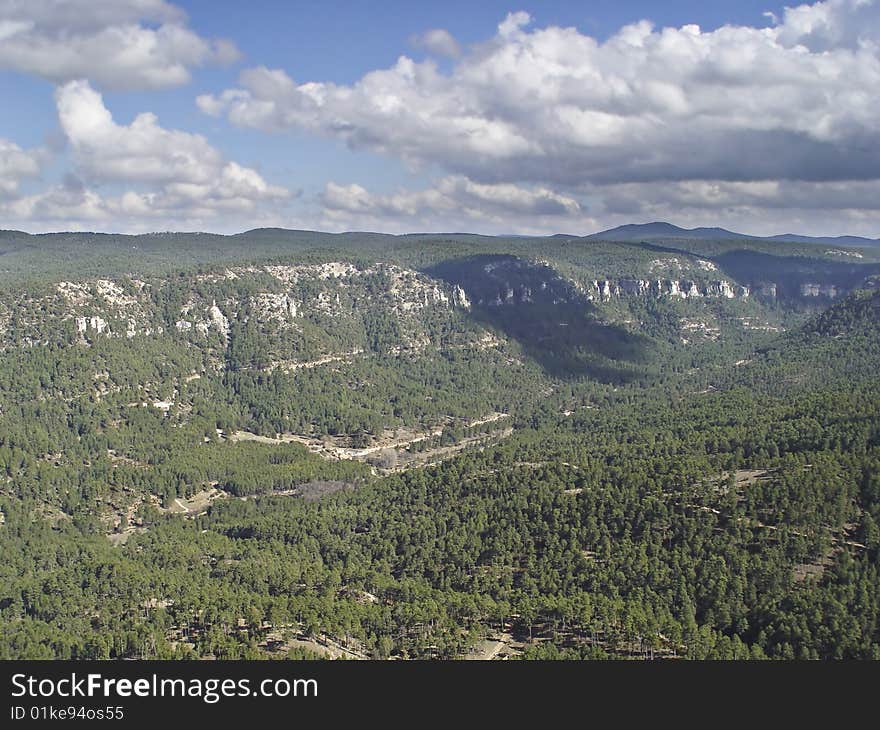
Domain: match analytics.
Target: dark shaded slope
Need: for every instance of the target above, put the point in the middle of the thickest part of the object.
(837, 349)
(791, 274)
(554, 323)
(856, 317)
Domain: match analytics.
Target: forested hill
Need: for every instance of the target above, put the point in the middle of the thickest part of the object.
(289, 444)
(27, 257)
(857, 315)
(838, 346)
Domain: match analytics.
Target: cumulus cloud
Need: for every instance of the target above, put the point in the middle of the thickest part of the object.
(455, 203)
(59, 203)
(184, 165)
(155, 174)
(16, 165)
(142, 151)
(556, 107)
(534, 130)
(118, 44)
(745, 197)
(831, 24)
(452, 202)
(74, 206)
(437, 41)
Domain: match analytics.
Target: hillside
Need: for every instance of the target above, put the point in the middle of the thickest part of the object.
(404, 446)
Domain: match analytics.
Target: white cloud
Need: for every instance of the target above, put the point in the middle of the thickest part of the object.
(711, 195)
(78, 15)
(60, 203)
(17, 164)
(555, 106)
(831, 24)
(119, 44)
(157, 177)
(437, 41)
(513, 24)
(185, 165)
(72, 206)
(142, 151)
(535, 130)
(455, 203)
(750, 126)
(452, 203)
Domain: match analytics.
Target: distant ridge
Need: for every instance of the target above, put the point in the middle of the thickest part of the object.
(631, 232)
(832, 240)
(663, 230)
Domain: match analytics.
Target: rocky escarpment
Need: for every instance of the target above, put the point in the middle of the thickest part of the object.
(828, 291)
(605, 290)
(608, 289)
(496, 281)
(290, 302)
(807, 290)
(209, 318)
(277, 298)
(499, 280)
(795, 278)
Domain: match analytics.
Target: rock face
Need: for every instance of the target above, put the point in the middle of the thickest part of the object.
(607, 289)
(460, 298)
(434, 295)
(278, 297)
(505, 280)
(490, 280)
(96, 324)
(216, 320)
(280, 307)
(293, 298)
(829, 291)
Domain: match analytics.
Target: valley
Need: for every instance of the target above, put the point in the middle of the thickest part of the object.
(400, 447)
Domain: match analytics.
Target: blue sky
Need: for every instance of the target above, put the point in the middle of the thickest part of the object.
(533, 117)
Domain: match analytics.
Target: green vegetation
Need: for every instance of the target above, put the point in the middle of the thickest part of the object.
(319, 447)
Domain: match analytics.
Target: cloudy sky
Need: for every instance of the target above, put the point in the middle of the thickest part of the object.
(540, 117)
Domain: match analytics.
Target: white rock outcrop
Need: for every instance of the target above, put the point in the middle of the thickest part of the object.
(96, 324)
(829, 291)
(607, 289)
(460, 298)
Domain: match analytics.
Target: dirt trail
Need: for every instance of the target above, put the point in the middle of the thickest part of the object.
(488, 649)
(325, 646)
(198, 503)
(399, 440)
(289, 366)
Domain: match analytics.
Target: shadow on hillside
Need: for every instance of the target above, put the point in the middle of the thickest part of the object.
(789, 273)
(554, 324)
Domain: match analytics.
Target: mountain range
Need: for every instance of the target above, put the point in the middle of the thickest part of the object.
(663, 230)
(630, 232)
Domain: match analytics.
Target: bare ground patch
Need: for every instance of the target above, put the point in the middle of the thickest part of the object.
(322, 645)
(502, 646)
(391, 450)
(196, 504)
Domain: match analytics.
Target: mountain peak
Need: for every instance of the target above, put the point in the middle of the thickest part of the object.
(662, 229)
(658, 230)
